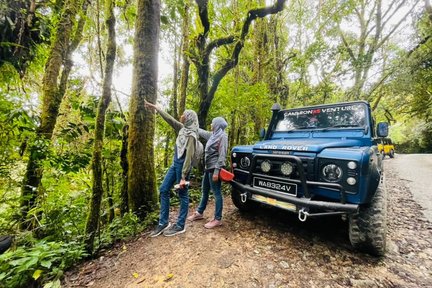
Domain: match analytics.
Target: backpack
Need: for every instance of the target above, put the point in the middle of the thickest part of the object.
(198, 155)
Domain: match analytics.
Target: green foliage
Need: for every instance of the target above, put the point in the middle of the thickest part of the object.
(40, 264)
(408, 97)
(124, 227)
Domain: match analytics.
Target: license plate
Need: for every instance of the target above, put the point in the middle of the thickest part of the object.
(275, 185)
(274, 202)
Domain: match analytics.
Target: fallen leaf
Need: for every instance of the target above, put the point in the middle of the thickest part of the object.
(136, 275)
(169, 277)
(37, 274)
(124, 247)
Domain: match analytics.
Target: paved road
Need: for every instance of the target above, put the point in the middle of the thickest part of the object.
(417, 170)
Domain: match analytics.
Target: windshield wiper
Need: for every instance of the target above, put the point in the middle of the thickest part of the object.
(344, 126)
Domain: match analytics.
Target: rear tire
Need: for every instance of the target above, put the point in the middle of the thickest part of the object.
(368, 228)
(247, 206)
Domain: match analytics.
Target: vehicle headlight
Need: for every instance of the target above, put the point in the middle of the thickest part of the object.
(352, 165)
(244, 162)
(266, 166)
(286, 168)
(332, 173)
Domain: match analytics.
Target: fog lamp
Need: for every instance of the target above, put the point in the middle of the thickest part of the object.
(286, 168)
(266, 166)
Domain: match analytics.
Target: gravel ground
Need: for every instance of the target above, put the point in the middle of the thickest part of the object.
(271, 249)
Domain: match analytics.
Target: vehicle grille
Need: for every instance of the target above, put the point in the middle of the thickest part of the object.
(307, 162)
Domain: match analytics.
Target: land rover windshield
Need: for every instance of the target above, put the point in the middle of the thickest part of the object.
(326, 117)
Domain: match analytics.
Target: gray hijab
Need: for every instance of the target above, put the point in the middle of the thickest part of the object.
(190, 128)
(219, 124)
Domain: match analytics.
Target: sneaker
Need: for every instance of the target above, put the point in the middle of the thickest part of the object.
(195, 216)
(159, 229)
(174, 230)
(213, 223)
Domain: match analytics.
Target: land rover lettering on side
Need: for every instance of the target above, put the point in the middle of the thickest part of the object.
(318, 161)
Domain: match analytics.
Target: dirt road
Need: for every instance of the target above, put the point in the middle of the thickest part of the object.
(272, 249)
(416, 169)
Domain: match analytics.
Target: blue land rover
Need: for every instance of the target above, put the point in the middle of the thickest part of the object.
(317, 161)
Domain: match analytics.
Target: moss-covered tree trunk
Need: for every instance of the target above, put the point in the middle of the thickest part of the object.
(184, 78)
(109, 194)
(97, 188)
(142, 177)
(52, 95)
(124, 197)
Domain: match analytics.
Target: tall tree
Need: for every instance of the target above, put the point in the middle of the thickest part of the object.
(372, 19)
(142, 176)
(52, 94)
(104, 101)
(185, 64)
(200, 56)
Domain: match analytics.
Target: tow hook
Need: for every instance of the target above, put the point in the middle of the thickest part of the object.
(243, 197)
(303, 214)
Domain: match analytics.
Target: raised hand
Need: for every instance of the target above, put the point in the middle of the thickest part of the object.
(149, 105)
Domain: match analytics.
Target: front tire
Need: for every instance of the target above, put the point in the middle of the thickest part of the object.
(247, 206)
(391, 154)
(368, 228)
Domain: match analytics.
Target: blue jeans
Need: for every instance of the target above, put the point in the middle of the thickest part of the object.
(207, 184)
(172, 177)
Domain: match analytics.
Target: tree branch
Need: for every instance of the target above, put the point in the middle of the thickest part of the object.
(232, 62)
(203, 14)
(251, 16)
(395, 27)
(345, 42)
(373, 47)
(218, 42)
(423, 41)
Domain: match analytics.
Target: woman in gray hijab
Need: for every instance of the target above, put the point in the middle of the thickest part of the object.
(184, 151)
(215, 154)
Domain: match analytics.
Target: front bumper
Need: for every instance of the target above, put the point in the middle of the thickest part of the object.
(302, 202)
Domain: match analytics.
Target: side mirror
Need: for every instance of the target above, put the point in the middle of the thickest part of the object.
(382, 129)
(262, 133)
